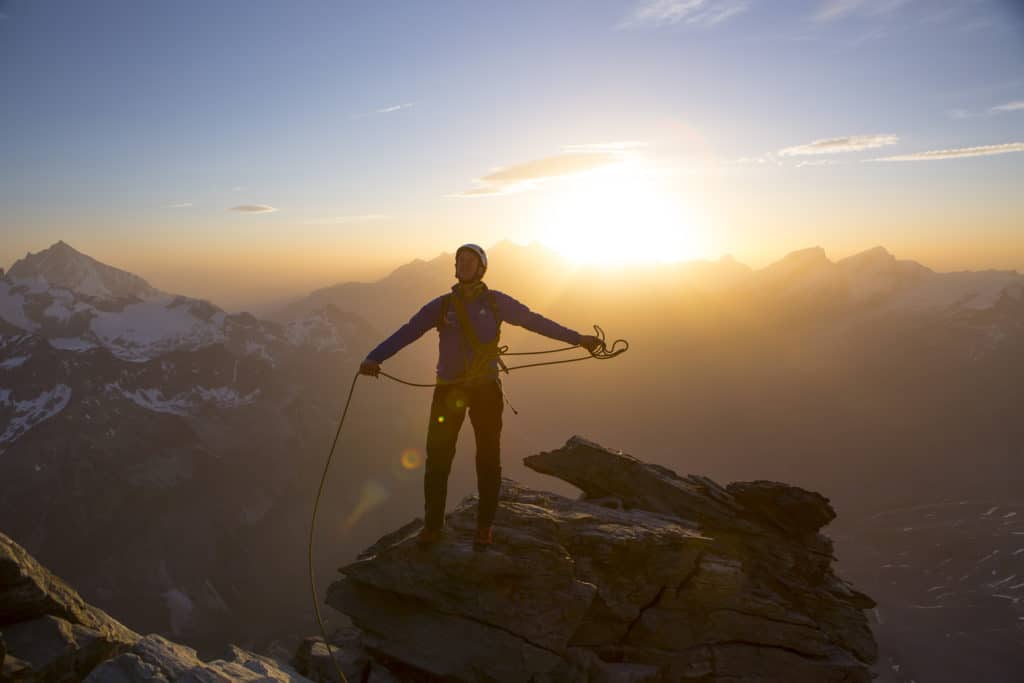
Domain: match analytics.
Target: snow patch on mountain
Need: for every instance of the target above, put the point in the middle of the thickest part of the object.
(28, 414)
(154, 400)
(253, 348)
(71, 344)
(184, 403)
(12, 308)
(63, 306)
(226, 397)
(143, 330)
(14, 362)
(316, 331)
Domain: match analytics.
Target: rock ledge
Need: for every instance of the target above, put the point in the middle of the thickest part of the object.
(648, 577)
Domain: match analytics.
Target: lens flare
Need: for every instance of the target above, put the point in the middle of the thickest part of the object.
(411, 459)
(373, 495)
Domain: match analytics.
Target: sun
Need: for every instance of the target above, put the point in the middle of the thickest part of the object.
(620, 215)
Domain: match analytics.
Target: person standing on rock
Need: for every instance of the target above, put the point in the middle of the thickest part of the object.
(468, 321)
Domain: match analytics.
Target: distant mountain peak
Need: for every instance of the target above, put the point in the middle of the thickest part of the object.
(875, 255)
(61, 265)
(805, 255)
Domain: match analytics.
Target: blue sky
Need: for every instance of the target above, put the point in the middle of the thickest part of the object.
(135, 130)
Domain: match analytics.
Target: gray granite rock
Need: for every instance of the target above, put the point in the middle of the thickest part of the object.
(313, 661)
(648, 577)
(154, 658)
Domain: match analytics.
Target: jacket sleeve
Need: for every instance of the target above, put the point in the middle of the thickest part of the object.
(512, 311)
(425, 319)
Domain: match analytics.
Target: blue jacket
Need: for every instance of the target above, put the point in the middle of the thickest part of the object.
(455, 355)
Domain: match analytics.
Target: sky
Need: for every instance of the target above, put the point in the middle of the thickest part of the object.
(245, 150)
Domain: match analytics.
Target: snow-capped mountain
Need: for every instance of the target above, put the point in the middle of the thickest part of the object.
(131, 413)
(77, 303)
(62, 267)
(71, 303)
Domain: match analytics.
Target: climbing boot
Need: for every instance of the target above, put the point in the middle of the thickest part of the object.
(428, 537)
(484, 538)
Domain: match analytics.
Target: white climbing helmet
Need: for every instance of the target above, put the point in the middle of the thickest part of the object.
(480, 253)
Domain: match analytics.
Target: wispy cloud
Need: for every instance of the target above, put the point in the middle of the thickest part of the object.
(983, 151)
(960, 114)
(830, 10)
(182, 205)
(384, 110)
(1016, 105)
(705, 13)
(531, 174)
(396, 107)
(359, 218)
(833, 9)
(850, 143)
(252, 208)
(763, 160)
(817, 162)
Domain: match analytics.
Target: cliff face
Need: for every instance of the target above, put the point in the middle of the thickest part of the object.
(647, 577)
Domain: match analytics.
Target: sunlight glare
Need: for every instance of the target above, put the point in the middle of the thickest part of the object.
(621, 215)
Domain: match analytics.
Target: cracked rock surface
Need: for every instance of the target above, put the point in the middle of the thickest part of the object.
(648, 577)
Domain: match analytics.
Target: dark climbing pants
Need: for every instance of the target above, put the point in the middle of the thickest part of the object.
(485, 403)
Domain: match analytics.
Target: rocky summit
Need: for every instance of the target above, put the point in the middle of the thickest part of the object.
(648, 576)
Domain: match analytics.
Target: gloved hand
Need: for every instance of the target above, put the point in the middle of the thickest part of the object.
(369, 367)
(590, 342)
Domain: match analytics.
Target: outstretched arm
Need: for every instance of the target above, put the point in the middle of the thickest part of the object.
(424, 319)
(512, 311)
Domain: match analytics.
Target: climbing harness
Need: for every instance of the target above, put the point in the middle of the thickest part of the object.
(482, 369)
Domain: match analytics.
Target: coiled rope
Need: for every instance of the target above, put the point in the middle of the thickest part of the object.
(602, 352)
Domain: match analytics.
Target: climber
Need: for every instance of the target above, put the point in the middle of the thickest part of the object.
(468, 321)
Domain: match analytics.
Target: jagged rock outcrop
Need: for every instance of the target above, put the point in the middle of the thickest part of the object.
(647, 577)
(154, 658)
(48, 633)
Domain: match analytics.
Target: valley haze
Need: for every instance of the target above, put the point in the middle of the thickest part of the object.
(889, 387)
